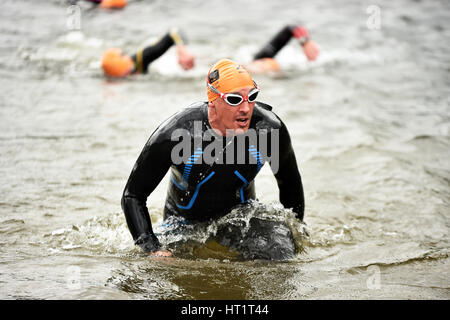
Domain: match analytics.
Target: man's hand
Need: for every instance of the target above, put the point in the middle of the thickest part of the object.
(161, 253)
(185, 58)
(311, 50)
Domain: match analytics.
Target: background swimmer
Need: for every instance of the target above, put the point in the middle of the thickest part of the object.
(106, 4)
(116, 64)
(264, 60)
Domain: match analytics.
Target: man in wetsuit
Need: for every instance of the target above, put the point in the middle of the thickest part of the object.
(264, 62)
(214, 150)
(115, 64)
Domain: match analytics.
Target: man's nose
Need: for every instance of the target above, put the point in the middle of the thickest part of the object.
(244, 107)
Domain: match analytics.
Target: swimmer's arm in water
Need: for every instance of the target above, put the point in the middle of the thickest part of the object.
(309, 47)
(185, 57)
(144, 57)
(300, 33)
(311, 50)
(150, 168)
(288, 176)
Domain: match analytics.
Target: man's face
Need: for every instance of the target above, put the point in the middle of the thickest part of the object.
(236, 118)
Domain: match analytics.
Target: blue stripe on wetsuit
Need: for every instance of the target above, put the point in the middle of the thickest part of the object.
(191, 203)
(257, 155)
(187, 168)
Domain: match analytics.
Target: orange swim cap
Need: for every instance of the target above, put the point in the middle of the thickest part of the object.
(227, 76)
(113, 4)
(115, 64)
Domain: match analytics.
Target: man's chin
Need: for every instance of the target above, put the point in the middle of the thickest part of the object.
(240, 131)
(236, 131)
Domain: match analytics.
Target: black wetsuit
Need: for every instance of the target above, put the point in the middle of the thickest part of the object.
(276, 43)
(202, 189)
(147, 55)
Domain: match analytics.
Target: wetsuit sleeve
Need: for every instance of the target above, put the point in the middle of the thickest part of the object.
(277, 42)
(144, 57)
(288, 176)
(149, 169)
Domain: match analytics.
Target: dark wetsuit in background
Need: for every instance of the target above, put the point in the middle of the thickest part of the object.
(276, 43)
(144, 57)
(200, 189)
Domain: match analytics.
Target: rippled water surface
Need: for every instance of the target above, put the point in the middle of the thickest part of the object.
(369, 121)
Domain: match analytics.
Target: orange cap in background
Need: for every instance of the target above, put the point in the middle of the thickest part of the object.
(113, 4)
(115, 64)
(227, 76)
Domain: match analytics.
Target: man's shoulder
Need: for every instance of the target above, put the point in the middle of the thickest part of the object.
(263, 105)
(265, 117)
(182, 119)
(194, 111)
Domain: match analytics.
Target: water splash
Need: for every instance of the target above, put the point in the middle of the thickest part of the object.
(250, 231)
(99, 235)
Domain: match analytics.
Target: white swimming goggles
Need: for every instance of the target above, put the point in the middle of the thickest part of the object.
(234, 99)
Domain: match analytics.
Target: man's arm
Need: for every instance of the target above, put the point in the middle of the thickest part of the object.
(145, 56)
(283, 36)
(288, 176)
(149, 170)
